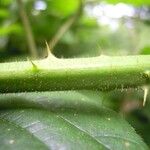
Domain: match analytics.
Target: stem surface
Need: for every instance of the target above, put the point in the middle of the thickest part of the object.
(97, 73)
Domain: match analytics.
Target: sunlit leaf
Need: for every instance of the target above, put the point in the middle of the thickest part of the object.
(134, 2)
(63, 8)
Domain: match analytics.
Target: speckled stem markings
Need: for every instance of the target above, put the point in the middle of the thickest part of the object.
(51, 74)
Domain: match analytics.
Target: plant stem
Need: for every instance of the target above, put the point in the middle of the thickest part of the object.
(28, 31)
(51, 74)
(65, 27)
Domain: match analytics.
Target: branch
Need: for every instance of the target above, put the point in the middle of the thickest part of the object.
(97, 73)
(65, 27)
(28, 31)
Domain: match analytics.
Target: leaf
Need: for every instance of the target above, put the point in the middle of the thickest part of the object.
(13, 28)
(13, 136)
(136, 2)
(61, 8)
(63, 120)
(4, 13)
(145, 50)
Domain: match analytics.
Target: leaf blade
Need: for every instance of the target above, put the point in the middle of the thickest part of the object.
(72, 123)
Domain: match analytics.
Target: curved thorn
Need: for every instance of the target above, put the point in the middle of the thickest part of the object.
(50, 55)
(146, 89)
(33, 65)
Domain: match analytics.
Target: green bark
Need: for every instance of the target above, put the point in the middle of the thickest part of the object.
(51, 74)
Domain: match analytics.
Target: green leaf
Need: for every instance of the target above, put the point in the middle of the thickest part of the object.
(134, 2)
(4, 13)
(145, 50)
(63, 120)
(61, 8)
(6, 2)
(13, 136)
(13, 28)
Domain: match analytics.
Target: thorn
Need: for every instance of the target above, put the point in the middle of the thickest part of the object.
(33, 65)
(50, 55)
(146, 89)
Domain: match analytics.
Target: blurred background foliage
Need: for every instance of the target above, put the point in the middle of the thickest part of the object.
(75, 28)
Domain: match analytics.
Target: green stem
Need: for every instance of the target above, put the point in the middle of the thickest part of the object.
(65, 27)
(28, 30)
(50, 74)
